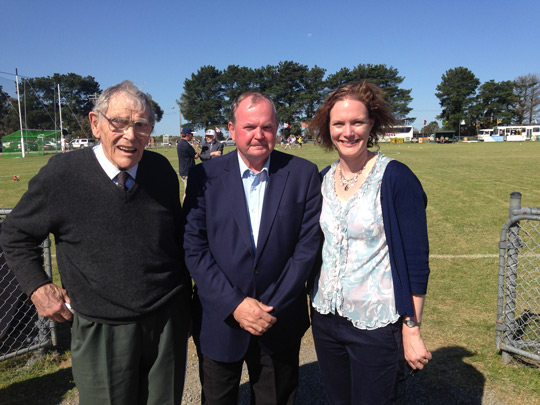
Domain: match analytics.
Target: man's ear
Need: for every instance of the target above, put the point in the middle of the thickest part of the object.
(94, 121)
(231, 131)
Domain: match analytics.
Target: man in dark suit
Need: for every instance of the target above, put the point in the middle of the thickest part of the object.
(186, 154)
(211, 148)
(251, 238)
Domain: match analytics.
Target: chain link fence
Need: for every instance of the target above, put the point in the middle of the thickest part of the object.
(518, 300)
(21, 329)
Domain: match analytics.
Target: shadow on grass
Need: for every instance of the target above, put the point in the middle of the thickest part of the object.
(45, 390)
(48, 389)
(446, 380)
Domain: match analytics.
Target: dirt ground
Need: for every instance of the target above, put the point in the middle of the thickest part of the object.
(440, 383)
(310, 389)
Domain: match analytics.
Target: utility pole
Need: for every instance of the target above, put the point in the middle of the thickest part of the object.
(20, 115)
(62, 139)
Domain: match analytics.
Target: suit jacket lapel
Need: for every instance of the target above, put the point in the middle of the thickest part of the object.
(272, 198)
(235, 197)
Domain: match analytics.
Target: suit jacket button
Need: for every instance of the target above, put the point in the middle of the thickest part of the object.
(256, 272)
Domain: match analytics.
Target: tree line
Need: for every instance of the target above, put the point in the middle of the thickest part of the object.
(296, 89)
(39, 105)
(508, 102)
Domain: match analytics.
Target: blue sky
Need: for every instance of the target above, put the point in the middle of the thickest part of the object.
(158, 44)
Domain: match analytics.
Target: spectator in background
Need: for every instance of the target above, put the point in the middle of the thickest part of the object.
(211, 148)
(300, 141)
(186, 155)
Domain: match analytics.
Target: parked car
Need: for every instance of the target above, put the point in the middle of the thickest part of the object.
(29, 146)
(51, 145)
(229, 142)
(81, 143)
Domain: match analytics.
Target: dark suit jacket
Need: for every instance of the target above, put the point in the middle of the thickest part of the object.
(208, 148)
(221, 260)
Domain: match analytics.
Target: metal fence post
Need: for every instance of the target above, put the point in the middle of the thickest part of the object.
(518, 301)
(511, 275)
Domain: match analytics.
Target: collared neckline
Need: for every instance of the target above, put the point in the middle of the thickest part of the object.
(110, 169)
(244, 167)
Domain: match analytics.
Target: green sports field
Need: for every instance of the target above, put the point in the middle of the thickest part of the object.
(468, 188)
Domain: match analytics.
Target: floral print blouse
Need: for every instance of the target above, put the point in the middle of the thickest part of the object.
(355, 280)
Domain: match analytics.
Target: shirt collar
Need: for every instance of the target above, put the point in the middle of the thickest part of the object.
(244, 168)
(110, 169)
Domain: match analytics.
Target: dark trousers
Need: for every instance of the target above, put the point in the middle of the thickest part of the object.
(273, 379)
(358, 366)
(137, 363)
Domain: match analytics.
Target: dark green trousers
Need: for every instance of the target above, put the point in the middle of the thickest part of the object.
(136, 363)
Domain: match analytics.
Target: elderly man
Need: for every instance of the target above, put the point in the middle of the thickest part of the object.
(212, 148)
(251, 239)
(115, 214)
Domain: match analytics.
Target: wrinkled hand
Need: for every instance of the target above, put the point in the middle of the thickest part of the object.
(49, 301)
(414, 348)
(253, 316)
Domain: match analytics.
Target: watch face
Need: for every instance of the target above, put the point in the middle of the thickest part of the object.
(410, 323)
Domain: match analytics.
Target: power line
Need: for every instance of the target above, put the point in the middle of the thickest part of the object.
(14, 74)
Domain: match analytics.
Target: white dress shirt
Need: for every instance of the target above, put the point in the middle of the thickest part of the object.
(111, 170)
(254, 189)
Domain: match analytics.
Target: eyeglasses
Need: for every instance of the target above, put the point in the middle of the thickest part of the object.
(140, 128)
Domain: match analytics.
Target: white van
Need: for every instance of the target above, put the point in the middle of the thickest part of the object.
(81, 143)
(229, 142)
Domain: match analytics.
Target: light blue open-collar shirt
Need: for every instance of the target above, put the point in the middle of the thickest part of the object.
(254, 190)
(111, 170)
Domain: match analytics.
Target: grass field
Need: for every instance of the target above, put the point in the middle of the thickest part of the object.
(468, 188)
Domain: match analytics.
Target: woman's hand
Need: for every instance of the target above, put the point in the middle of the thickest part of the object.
(414, 348)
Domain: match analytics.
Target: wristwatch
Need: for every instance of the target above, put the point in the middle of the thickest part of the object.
(410, 323)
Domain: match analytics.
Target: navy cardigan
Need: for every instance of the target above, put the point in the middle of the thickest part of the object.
(404, 217)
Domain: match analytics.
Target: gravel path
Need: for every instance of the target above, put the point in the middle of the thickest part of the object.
(310, 389)
(448, 380)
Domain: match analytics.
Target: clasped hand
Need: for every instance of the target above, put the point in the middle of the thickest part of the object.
(254, 317)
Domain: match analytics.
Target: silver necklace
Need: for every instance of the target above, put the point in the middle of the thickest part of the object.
(348, 183)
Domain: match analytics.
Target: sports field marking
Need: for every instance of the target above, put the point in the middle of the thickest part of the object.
(476, 256)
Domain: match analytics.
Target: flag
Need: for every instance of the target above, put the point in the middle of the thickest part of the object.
(462, 122)
(285, 125)
(425, 122)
